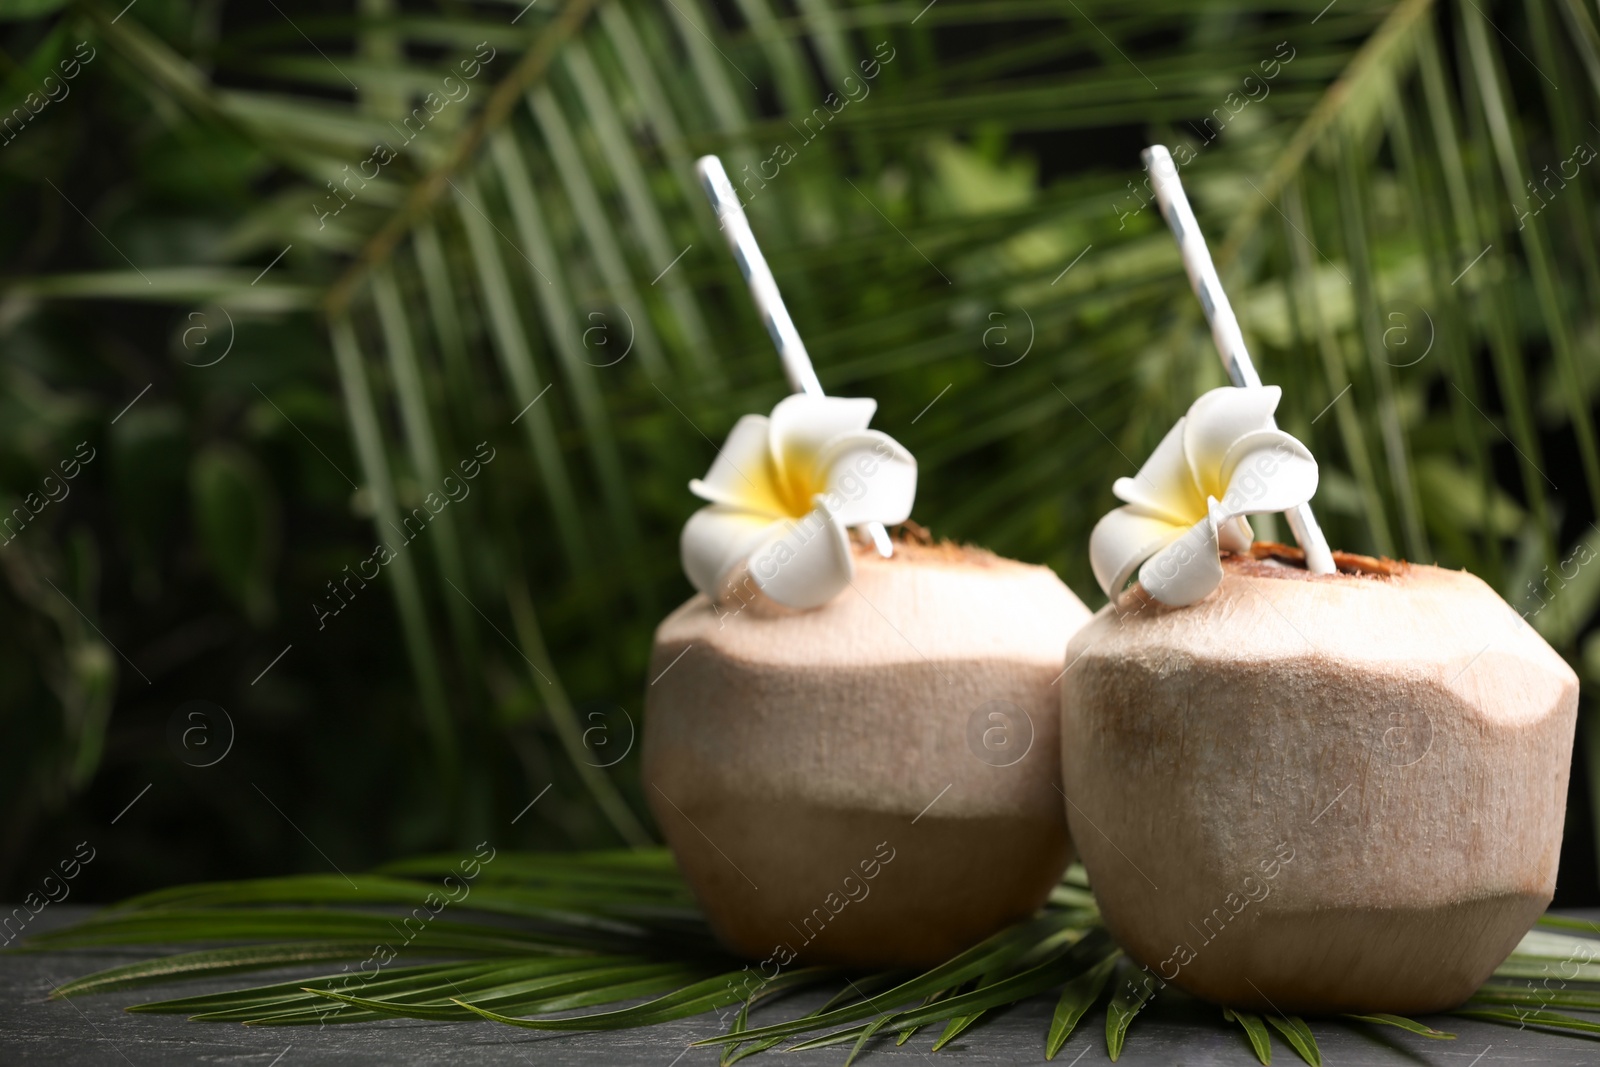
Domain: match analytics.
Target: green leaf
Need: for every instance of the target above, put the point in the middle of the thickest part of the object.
(1055, 966)
(425, 992)
(565, 330)
(1299, 1035)
(1255, 1030)
(866, 1035)
(1007, 944)
(210, 962)
(261, 1001)
(706, 995)
(17, 10)
(1538, 997)
(602, 240)
(1128, 998)
(1080, 994)
(644, 214)
(189, 925)
(838, 1037)
(741, 1023)
(952, 1030)
(514, 351)
(1489, 79)
(375, 467)
(1403, 1023)
(906, 1034)
(603, 986)
(1551, 1019)
(406, 372)
(855, 989)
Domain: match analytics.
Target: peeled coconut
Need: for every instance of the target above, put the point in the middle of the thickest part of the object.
(872, 782)
(1319, 793)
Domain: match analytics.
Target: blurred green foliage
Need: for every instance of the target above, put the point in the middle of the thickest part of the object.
(283, 294)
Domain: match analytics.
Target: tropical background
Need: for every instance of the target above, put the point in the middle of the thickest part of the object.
(277, 275)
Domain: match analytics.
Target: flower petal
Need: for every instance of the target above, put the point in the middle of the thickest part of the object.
(804, 563)
(1216, 421)
(1189, 568)
(716, 538)
(1267, 471)
(1235, 535)
(1165, 485)
(802, 425)
(742, 475)
(1122, 540)
(869, 478)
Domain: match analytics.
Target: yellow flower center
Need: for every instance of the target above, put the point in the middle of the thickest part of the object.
(798, 484)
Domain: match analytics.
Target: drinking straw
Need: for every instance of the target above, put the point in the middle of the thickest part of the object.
(764, 292)
(1224, 325)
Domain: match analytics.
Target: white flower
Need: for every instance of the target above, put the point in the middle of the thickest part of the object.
(1224, 460)
(784, 489)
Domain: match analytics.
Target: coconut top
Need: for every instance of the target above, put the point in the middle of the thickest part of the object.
(1378, 616)
(1224, 460)
(934, 602)
(1270, 559)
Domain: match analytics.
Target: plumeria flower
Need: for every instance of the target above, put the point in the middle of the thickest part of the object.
(1224, 460)
(783, 491)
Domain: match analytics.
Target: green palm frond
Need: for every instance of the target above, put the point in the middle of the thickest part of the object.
(1255, 1032)
(613, 937)
(532, 234)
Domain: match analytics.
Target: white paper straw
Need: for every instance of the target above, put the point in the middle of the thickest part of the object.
(1224, 325)
(769, 302)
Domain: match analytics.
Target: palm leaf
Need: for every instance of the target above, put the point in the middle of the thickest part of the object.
(541, 934)
(1549, 1019)
(1298, 1034)
(1079, 995)
(1410, 1025)
(1128, 998)
(1255, 1031)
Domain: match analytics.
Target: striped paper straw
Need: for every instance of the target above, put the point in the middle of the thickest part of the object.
(1224, 324)
(769, 302)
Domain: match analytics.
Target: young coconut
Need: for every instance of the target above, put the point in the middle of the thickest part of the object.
(852, 757)
(1298, 792)
(840, 747)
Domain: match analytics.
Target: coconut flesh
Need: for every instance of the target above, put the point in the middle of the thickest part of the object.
(1319, 793)
(873, 782)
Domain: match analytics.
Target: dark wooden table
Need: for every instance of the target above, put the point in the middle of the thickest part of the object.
(94, 1030)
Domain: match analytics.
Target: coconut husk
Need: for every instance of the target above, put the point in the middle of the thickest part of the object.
(819, 776)
(1319, 793)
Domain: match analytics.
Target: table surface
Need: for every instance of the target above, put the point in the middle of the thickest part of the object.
(1172, 1030)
